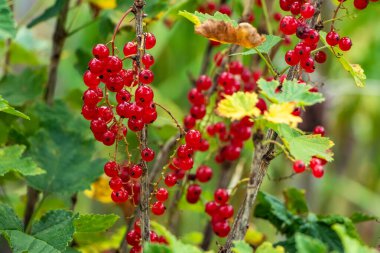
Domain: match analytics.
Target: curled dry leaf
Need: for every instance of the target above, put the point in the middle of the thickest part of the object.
(244, 34)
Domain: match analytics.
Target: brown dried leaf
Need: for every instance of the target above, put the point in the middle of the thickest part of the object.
(244, 34)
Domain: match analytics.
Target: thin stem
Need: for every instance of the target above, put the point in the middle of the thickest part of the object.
(117, 29)
(182, 132)
(335, 14)
(74, 31)
(318, 49)
(269, 65)
(266, 16)
(28, 225)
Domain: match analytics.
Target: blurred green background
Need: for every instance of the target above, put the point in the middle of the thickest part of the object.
(350, 114)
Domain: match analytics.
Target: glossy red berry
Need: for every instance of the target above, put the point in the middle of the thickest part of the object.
(288, 25)
(193, 138)
(90, 112)
(133, 238)
(225, 9)
(193, 193)
(146, 76)
(226, 211)
(299, 166)
(318, 171)
(295, 8)
(96, 66)
(302, 50)
(170, 180)
(123, 96)
(158, 208)
(320, 57)
(116, 183)
(100, 51)
(147, 154)
(189, 122)
(222, 229)
(292, 58)
(98, 126)
(203, 174)
(111, 169)
(130, 48)
(332, 38)
(314, 162)
(90, 79)
(162, 194)
(221, 196)
(319, 130)
(150, 40)
(203, 83)
(345, 44)
(135, 171)
(113, 64)
(119, 196)
(148, 60)
(211, 208)
(109, 138)
(144, 95)
(236, 67)
(307, 10)
(361, 4)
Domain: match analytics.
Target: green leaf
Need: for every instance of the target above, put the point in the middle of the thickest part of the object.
(350, 244)
(7, 23)
(156, 248)
(304, 147)
(295, 201)
(56, 228)
(267, 247)
(241, 247)
(6, 108)
(50, 12)
(9, 219)
(291, 91)
(67, 170)
(174, 244)
(198, 18)
(363, 217)
(355, 70)
(271, 209)
(154, 7)
(21, 243)
(307, 244)
(339, 219)
(194, 238)
(94, 222)
(265, 48)
(11, 160)
(29, 85)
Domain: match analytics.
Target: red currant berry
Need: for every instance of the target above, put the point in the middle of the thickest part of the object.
(146, 76)
(320, 57)
(225, 9)
(135, 171)
(204, 83)
(193, 138)
(203, 174)
(295, 8)
(236, 67)
(89, 112)
(222, 229)
(98, 126)
(133, 238)
(130, 48)
(332, 38)
(288, 25)
(90, 79)
(292, 58)
(100, 51)
(113, 64)
(211, 208)
(189, 122)
(119, 196)
(116, 183)
(345, 44)
(198, 112)
(307, 10)
(150, 40)
(170, 180)
(319, 130)
(96, 66)
(221, 196)
(147, 154)
(314, 162)
(299, 166)
(123, 96)
(361, 4)
(148, 60)
(109, 138)
(105, 113)
(158, 208)
(226, 211)
(144, 95)
(193, 193)
(111, 169)
(318, 171)
(115, 82)
(162, 194)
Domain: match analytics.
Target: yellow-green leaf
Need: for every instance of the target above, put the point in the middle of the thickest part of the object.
(355, 70)
(282, 114)
(238, 105)
(104, 4)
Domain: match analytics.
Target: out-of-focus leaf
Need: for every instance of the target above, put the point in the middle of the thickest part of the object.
(67, 171)
(295, 201)
(267, 247)
(355, 70)
(95, 242)
(7, 23)
(94, 222)
(9, 219)
(238, 105)
(154, 7)
(6, 108)
(156, 248)
(265, 48)
(56, 228)
(49, 13)
(254, 237)
(11, 160)
(350, 244)
(241, 247)
(362, 217)
(198, 18)
(291, 91)
(194, 238)
(104, 4)
(24, 87)
(100, 191)
(307, 244)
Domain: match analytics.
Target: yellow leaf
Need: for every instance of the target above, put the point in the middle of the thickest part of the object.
(104, 4)
(282, 113)
(238, 105)
(190, 16)
(254, 237)
(100, 191)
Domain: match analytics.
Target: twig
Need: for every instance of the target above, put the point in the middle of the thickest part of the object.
(32, 199)
(262, 157)
(59, 39)
(137, 9)
(121, 21)
(181, 131)
(266, 16)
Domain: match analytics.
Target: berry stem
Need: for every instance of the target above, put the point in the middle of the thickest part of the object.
(181, 131)
(266, 16)
(318, 49)
(268, 63)
(335, 14)
(117, 29)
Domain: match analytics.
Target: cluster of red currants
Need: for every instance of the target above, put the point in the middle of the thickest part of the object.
(316, 164)
(203, 174)
(180, 164)
(134, 238)
(220, 211)
(106, 127)
(212, 7)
